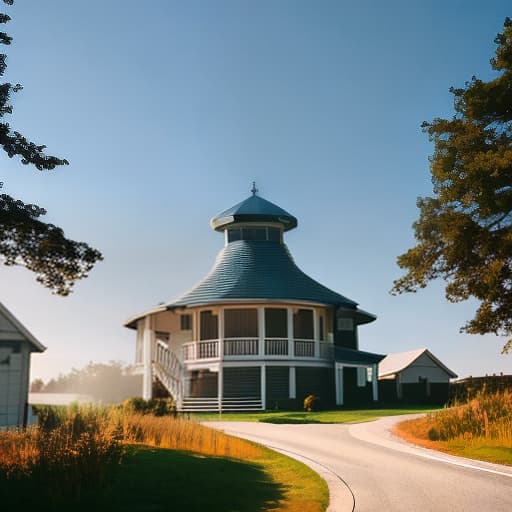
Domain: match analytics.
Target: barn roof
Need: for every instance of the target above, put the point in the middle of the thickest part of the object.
(399, 361)
(12, 326)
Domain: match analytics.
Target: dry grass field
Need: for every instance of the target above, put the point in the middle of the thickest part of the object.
(479, 428)
(87, 457)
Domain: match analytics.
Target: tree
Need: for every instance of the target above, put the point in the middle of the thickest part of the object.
(109, 383)
(464, 232)
(25, 239)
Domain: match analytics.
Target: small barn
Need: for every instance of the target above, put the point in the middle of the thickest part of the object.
(16, 345)
(416, 376)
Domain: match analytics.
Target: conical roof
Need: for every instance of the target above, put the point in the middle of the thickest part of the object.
(252, 269)
(254, 209)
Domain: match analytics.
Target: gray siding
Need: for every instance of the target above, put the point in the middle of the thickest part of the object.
(316, 381)
(242, 382)
(278, 384)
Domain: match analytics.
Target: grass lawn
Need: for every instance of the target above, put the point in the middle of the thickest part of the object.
(333, 416)
(157, 479)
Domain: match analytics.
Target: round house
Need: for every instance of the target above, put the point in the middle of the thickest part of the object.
(256, 332)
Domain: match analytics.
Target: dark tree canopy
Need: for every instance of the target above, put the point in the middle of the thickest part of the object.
(24, 238)
(464, 232)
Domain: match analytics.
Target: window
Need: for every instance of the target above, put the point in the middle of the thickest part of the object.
(234, 235)
(209, 326)
(361, 377)
(254, 233)
(240, 323)
(303, 324)
(276, 323)
(321, 328)
(345, 324)
(274, 234)
(185, 322)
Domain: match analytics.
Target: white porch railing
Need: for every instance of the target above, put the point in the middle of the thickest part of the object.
(204, 349)
(304, 348)
(326, 351)
(276, 346)
(249, 347)
(241, 346)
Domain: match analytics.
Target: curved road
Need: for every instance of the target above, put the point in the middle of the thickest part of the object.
(382, 472)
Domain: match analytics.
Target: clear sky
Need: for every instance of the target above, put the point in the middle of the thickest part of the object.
(169, 110)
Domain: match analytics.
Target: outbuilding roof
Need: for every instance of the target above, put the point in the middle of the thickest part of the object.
(251, 269)
(254, 209)
(399, 361)
(11, 328)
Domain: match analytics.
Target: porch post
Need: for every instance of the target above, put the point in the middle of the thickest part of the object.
(338, 382)
(263, 374)
(316, 335)
(147, 379)
(261, 331)
(221, 333)
(220, 386)
(375, 382)
(293, 383)
(290, 332)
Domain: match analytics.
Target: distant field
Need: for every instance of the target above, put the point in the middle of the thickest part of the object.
(333, 416)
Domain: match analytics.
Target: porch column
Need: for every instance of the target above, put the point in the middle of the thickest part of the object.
(375, 382)
(220, 386)
(338, 382)
(290, 332)
(147, 342)
(293, 383)
(261, 331)
(316, 334)
(263, 382)
(221, 333)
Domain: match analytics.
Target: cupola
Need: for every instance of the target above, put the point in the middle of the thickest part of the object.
(254, 218)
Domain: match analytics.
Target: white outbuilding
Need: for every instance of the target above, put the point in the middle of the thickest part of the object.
(16, 345)
(414, 376)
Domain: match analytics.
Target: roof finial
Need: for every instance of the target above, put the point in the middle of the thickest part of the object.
(254, 190)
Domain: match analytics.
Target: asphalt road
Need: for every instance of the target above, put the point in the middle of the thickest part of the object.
(379, 472)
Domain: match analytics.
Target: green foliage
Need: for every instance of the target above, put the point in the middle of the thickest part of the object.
(311, 403)
(155, 406)
(464, 232)
(24, 239)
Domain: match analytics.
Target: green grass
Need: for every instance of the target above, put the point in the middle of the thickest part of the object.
(481, 451)
(333, 416)
(156, 479)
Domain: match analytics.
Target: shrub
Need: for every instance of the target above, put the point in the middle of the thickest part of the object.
(311, 403)
(155, 406)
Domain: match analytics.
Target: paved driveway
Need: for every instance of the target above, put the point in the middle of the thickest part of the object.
(383, 473)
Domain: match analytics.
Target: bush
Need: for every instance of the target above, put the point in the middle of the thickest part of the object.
(155, 406)
(311, 403)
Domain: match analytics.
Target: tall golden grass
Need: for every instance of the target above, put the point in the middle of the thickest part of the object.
(484, 420)
(487, 416)
(75, 449)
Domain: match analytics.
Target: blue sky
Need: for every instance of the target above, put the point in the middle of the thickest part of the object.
(168, 111)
